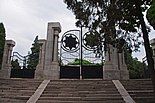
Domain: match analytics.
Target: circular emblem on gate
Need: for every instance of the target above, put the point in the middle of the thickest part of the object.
(70, 42)
(91, 40)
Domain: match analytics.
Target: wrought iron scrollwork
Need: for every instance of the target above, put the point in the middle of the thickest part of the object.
(75, 45)
(91, 40)
(21, 59)
(70, 42)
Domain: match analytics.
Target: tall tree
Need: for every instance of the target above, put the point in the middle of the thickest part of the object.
(105, 17)
(2, 42)
(110, 15)
(133, 17)
(34, 55)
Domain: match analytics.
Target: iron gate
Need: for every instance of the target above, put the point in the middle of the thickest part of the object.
(81, 55)
(19, 67)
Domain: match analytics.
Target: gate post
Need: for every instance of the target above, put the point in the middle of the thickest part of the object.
(40, 66)
(124, 73)
(110, 69)
(6, 63)
(51, 68)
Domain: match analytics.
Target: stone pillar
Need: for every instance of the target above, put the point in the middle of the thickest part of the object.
(110, 69)
(6, 63)
(55, 63)
(124, 73)
(115, 58)
(40, 66)
(56, 36)
(51, 68)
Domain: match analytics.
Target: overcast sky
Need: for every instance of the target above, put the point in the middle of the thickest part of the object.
(25, 19)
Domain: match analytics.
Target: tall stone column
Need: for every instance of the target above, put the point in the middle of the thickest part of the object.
(124, 73)
(115, 58)
(56, 36)
(40, 66)
(110, 69)
(6, 63)
(55, 63)
(51, 68)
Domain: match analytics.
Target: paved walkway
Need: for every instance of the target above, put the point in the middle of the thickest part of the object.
(125, 95)
(38, 92)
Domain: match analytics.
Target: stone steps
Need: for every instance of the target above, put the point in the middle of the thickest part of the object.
(75, 91)
(17, 90)
(3, 100)
(140, 90)
(59, 101)
(94, 98)
(77, 95)
(80, 91)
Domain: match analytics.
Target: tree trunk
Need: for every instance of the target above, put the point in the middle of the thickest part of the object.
(148, 49)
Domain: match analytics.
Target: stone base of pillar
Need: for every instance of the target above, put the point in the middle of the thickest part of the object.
(39, 72)
(124, 74)
(5, 73)
(111, 74)
(52, 73)
(108, 65)
(110, 71)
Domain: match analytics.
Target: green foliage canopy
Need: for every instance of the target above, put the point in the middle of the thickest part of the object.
(78, 62)
(151, 14)
(135, 67)
(109, 15)
(34, 56)
(84, 62)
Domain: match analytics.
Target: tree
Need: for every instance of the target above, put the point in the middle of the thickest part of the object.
(151, 15)
(15, 64)
(133, 17)
(2, 42)
(84, 62)
(34, 55)
(109, 15)
(135, 67)
(77, 62)
(149, 54)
